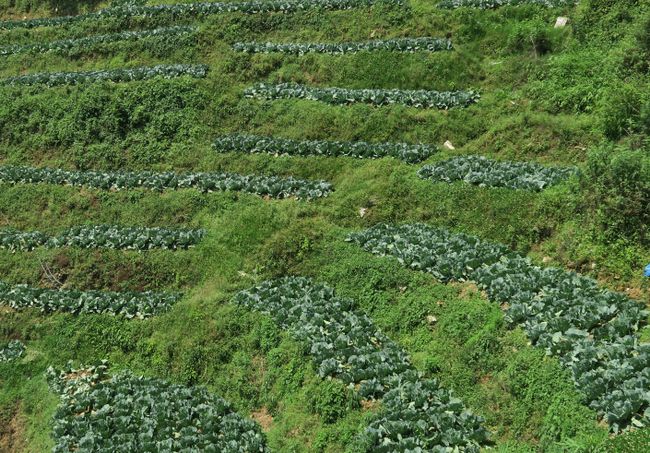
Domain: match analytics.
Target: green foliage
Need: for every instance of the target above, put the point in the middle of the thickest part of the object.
(51, 79)
(77, 46)
(168, 125)
(143, 118)
(605, 20)
(407, 422)
(205, 182)
(593, 331)
(635, 442)
(342, 96)
(573, 81)
(345, 345)
(616, 191)
(363, 150)
(468, 347)
(52, 6)
(331, 400)
(546, 389)
(491, 4)
(625, 110)
(128, 304)
(643, 35)
(129, 413)
(391, 45)
(533, 35)
(11, 351)
(104, 236)
(198, 9)
(485, 172)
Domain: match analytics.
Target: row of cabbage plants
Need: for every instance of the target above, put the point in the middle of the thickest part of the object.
(593, 331)
(484, 172)
(123, 412)
(104, 236)
(180, 10)
(272, 186)
(246, 143)
(392, 45)
(344, 96)
(491, 4)
(12, 350)
(89, 43)
(417, 414)
(128, 304)
(50, 79)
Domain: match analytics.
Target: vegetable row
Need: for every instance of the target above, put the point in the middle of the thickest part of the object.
(199, 9)
(12, 350)
(392, 45)
(484, 172)
(272, 186)
(491, 4)
(593, 331)
(128, 304)
(344, 96)
(127, 413)
(345, 344)
(51, 79)
(104, 236)
(280, 146)
(87, 43)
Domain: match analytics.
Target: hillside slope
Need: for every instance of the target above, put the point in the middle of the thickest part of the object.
(574, 97)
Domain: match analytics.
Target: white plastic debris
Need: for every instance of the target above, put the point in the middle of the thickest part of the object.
(561, 22)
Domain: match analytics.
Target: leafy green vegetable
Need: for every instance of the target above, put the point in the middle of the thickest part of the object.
(199, 9)
(343, 96)
(128, 304)
(11, 351)
(51, 79)
(485, 172)
(490, 4)
(393, 45)
(126, 413)
(593, 331)
(417, 415)
(205, 182)
(104, 236)
(282, 146)
(88, 43)
(345, 345)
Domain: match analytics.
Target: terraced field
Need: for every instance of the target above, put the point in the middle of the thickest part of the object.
(189, 193)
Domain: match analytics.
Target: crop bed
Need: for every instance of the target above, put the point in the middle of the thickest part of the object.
(198, 9)
(127, 413)
(343, 96)
(593, 331)
(491, 4)
(85, 44)
(362, 150)
(390, 45)
(205, 182)
(104, 236)
(484, 172)
(128, 304)
(12, 350)
(51, 79)
(416, 414)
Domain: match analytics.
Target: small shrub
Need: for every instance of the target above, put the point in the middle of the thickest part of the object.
(533, 35)
(332, 400)
(620, 111)
(616, 187)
